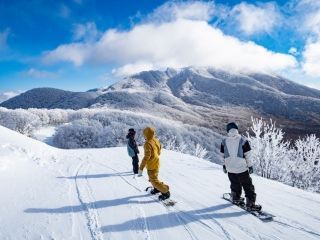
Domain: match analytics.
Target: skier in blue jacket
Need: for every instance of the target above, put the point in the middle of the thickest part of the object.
(133, 150)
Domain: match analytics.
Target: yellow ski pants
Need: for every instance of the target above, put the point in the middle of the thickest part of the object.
(153, 179)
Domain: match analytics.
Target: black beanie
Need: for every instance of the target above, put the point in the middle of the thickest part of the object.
(131, 130)
(231, 125)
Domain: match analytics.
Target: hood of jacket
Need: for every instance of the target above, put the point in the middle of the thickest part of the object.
(148, 133)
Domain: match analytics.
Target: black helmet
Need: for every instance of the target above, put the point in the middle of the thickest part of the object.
(131, 131)
(231, 125)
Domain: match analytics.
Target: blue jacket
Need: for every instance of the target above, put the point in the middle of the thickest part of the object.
(132, 146)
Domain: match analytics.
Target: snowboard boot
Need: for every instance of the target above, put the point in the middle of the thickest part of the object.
(251, 206)
(236, 199)
(154, 191)
(164, 196)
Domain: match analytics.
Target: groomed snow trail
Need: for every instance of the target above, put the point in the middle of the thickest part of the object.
(85, 197)
(49, 193)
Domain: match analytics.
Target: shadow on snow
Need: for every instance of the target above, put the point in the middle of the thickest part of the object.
(91, 205)
(161, 221)
(104, 175)
(173, 219)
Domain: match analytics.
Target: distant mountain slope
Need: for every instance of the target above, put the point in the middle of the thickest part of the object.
(51, 98)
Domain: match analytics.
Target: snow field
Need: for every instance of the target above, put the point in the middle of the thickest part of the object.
(47, 193)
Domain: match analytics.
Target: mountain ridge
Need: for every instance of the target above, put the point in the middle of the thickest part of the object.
(197, 95)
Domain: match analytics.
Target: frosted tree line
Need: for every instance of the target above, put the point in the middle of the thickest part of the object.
(95, 128)
(293, 162)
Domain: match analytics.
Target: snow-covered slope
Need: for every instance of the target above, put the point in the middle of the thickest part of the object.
(48, 193)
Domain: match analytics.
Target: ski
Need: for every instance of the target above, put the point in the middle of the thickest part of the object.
(262, 215)
(167, 202)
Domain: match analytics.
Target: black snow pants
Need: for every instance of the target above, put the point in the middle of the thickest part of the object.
(135, 164)
(242, 180)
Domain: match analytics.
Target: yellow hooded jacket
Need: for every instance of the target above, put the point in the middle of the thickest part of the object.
(152, 148)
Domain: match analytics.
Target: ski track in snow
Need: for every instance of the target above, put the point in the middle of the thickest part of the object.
(184, 224)
(297, 227)
(193, 236)
(178, 213)
(225, 234)
(182, 217)
(90, 210)
(142, 216)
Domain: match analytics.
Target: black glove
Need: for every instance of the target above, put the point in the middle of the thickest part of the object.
(224, 169)
(250, 170)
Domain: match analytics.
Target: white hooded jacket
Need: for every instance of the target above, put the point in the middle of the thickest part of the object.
(236, 151)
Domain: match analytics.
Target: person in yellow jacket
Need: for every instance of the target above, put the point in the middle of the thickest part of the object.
(151, 161)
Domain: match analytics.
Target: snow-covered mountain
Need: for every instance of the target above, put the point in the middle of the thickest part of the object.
(49, 193)
(268, 94)
(204, 96)
(51, 98)
(215, 97)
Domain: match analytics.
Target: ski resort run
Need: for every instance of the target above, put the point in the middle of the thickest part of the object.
(48, 193)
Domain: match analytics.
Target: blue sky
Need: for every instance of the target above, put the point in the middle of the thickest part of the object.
(81, 44)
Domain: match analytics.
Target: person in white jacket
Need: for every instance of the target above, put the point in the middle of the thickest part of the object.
(237, 163)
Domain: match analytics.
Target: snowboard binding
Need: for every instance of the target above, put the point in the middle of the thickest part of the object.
(164, 196)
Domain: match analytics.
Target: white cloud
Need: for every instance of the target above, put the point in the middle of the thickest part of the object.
(35, 73)
(7, 95)
(312, 23)
(293, 51)
(255, 19)
(76, 53)
(178, 43)
(87, 32)
(299, 75)
(308, 15)
(311, 59)
(314, 85)
(192, 10)
(130, 69)
(305, 19)
(11, 94)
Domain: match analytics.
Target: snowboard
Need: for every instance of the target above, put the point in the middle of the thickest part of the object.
(262, 215)
(167, 202)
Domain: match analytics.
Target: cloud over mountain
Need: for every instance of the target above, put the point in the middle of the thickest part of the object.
(256, 19)
(178, 43)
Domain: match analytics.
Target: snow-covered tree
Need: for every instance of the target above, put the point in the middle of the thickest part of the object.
(269, 150)
(58, 116)
(173, 144)
(42, 114)
(19, 120)
(82, 133)
(305, 171)
(200, 151)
